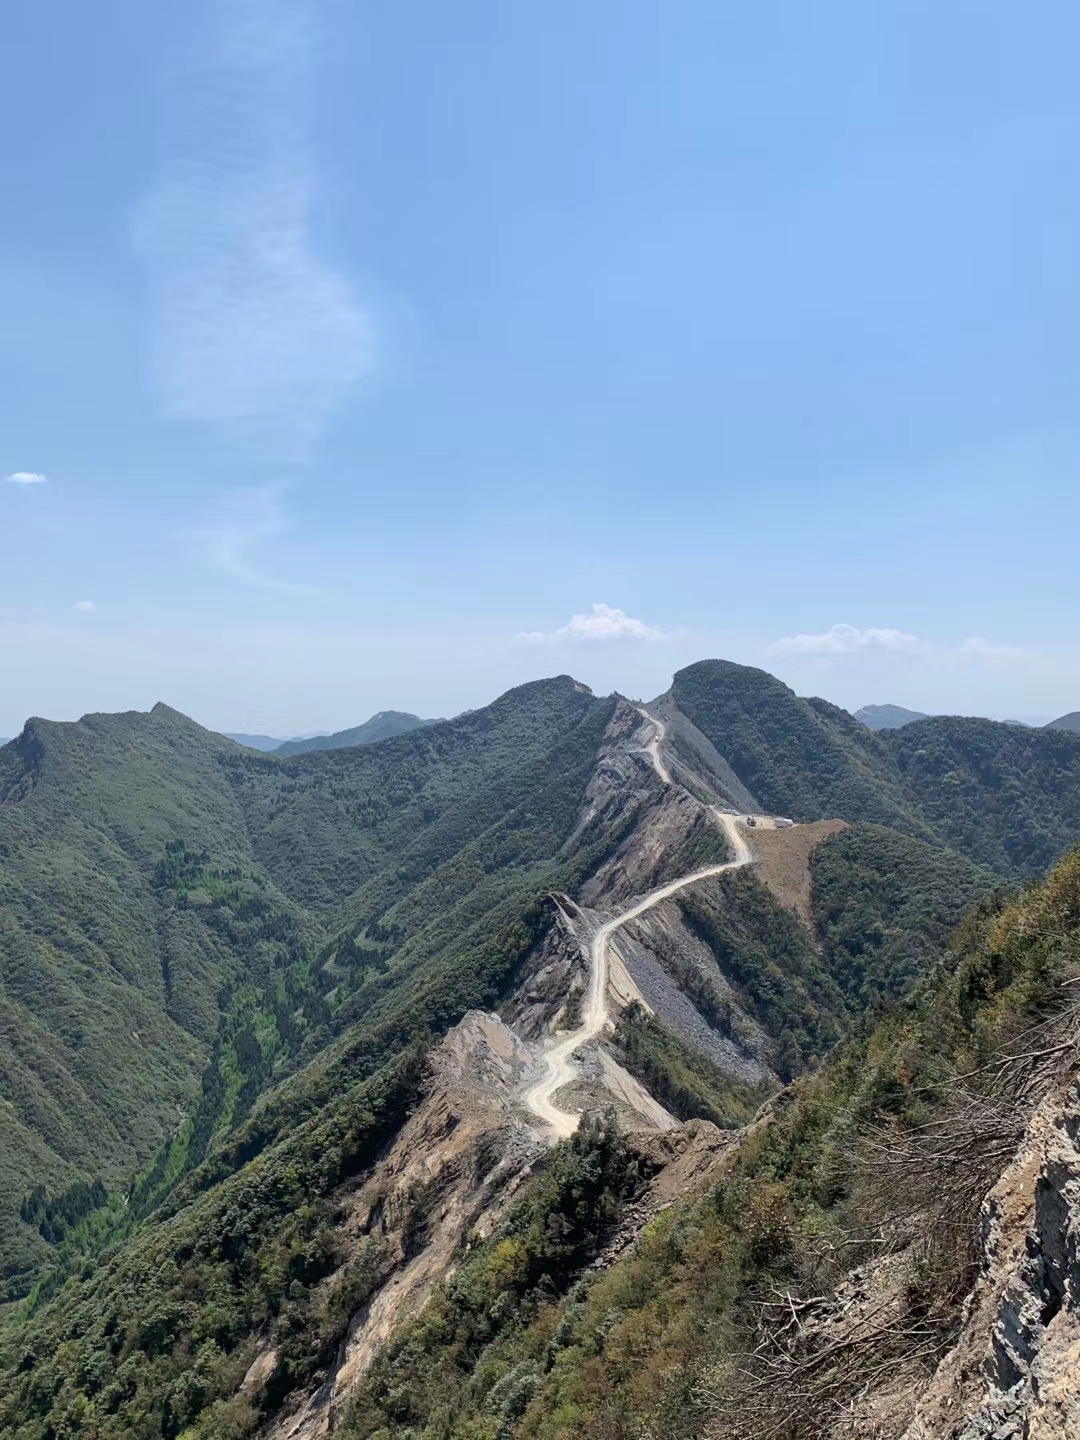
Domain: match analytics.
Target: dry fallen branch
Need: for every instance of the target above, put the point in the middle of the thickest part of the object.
(917, 1190)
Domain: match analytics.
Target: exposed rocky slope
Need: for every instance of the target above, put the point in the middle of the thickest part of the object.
(466, 1151)
(1014, 1373)
(463, 1155)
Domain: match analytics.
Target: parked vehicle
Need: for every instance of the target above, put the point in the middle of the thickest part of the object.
(783, 823)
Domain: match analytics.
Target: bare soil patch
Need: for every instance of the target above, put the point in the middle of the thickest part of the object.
(783, 860)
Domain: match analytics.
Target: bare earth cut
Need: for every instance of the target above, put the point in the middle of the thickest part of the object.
(558, 1066)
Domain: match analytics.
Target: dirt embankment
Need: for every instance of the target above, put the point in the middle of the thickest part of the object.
(783, 861)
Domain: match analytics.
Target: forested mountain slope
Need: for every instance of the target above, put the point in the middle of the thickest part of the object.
(168, 900)
(1006, 797)
(803, 758)
(108, 995)
(322, 939)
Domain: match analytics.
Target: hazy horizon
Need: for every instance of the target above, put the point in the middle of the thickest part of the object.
(348, 720)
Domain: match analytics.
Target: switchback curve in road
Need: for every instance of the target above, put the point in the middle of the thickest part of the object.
(558, 1070)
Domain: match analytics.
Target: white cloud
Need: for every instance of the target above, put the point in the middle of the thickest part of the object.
(246, 520)
(982, 650)
(25, 477)
(603, 622)
(84, 606)
(851, 640)
(846, 640)
(250, 325)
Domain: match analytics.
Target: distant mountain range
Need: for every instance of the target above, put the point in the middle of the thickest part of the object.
(888, 717)
(382, 726)
(256, 742)
(893, 717)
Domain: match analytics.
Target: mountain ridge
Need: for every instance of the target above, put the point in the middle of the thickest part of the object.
(137, 783)
(331, 933)
(888, 717)
(383, 725)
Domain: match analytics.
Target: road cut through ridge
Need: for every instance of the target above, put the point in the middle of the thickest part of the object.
(558, 1067)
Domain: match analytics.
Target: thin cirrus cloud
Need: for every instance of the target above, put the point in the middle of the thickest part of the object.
(979, 649)
(601, 622)
(250, 326)
(853, 640)
(25, 477)
(244, 525)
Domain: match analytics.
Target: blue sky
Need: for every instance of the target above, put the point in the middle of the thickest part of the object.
(363, 347)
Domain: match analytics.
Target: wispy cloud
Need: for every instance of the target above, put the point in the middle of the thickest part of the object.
(846, 640)
(603, 622)
(230, 542)
(84, 607)
(250, 324)
(982, 650)
(25, 477)
(853, 640)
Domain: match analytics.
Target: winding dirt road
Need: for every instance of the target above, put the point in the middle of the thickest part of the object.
(558, 1069)
(653, 746)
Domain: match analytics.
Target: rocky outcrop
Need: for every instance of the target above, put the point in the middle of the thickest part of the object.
(669, 965)
(1014, 1373)
(462, 1157)
(655, 960)
(552, 979)
(604, 1085)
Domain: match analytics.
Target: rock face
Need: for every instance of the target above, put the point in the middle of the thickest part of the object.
(1014, 1373)
(648, 956)
(552, 979)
